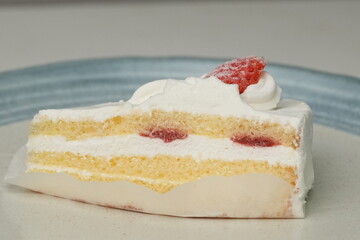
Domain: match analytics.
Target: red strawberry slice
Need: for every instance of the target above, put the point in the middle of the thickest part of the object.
(166, 134)
(240, 71)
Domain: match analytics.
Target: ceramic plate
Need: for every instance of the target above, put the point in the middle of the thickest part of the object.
(332, 211)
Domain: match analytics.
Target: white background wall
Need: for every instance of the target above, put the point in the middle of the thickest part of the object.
(323, 35)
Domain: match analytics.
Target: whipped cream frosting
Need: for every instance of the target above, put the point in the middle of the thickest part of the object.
(212, 96)
(259, 102)
(263, 95)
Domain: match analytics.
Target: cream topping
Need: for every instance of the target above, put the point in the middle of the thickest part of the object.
(197, 96)
(263, 95)
(148, 90)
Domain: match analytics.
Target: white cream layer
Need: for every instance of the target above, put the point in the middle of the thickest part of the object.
(198, 147)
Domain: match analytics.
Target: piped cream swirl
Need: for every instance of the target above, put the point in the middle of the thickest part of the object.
(263, 95)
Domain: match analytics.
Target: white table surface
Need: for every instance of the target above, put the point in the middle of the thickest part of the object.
(322, 35)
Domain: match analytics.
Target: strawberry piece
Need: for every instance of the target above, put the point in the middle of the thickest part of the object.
(240, 71)
(166, 134)
(255, 141)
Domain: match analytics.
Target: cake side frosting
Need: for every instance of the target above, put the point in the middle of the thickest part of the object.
(305, 169)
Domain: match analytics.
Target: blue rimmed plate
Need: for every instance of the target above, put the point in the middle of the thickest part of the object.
(333, 207)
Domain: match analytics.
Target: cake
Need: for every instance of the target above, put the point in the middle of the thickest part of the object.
(222, 145)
